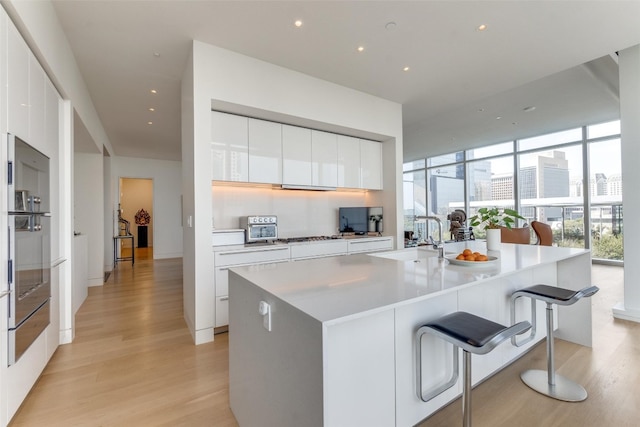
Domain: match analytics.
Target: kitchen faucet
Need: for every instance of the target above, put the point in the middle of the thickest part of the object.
(439, 245)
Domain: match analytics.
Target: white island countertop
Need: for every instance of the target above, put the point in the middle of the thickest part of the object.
(332, 340)
(337, 289)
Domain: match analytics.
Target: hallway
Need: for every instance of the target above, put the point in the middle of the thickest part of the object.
(133, 362)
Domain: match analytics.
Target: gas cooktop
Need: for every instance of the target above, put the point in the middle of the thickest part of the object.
(307, 239)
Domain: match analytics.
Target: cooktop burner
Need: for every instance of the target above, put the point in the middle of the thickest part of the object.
(307, 239)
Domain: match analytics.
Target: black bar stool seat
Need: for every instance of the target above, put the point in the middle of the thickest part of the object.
(548, 382)
(472, 334)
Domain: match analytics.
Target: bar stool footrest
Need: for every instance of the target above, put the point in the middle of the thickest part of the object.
(564, 388)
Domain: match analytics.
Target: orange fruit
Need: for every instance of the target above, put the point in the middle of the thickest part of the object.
(467, 252)
(469, 258)
(460, 257)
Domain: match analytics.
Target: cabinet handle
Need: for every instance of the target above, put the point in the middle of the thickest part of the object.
(224, 299)
(252, 252)
(5, 293)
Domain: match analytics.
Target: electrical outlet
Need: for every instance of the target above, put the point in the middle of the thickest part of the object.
(265, 310)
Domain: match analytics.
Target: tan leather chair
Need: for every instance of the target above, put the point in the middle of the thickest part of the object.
(543, 233)
(520, 235)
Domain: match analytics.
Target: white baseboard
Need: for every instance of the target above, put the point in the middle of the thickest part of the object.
(620, 312)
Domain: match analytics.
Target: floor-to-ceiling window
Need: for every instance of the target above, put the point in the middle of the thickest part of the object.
(605, 187)
(570, 180)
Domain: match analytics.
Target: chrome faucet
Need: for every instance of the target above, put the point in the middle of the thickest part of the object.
(439, 245)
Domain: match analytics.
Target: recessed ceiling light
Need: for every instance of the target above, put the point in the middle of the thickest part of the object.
(498, 118)
(390, 26)
(529, 108)
(360, 48)
(149, 123)
(481, 27)
(156, 54)
(480, 110)
(154, 91)
(152, 109)
(298, 23)
(406, 69)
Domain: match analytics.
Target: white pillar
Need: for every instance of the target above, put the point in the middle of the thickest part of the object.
(629, 65)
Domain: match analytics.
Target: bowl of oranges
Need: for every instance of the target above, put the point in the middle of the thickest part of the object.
(470, 258)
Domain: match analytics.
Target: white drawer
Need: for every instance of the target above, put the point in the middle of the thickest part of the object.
(227, 237)
(370, 245)
(251, 256)
(222, 311)
(319, 249)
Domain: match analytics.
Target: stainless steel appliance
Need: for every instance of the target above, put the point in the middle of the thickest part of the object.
(29, 264)
(260, 228)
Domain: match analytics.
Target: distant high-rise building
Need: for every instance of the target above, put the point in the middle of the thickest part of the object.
(614, 185)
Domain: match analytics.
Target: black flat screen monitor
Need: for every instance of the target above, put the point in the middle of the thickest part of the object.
(360, 220)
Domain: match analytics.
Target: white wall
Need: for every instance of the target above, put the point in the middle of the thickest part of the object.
(167, 189)
(629, 62)
(244, 85)
(88, 212)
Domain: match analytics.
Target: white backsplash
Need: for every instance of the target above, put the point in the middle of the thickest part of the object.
(299, 212)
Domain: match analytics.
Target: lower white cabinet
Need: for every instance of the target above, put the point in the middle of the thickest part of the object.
(319, 249)
(370, 244)
(226, 259)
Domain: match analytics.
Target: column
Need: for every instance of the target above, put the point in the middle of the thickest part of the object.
(629, 66)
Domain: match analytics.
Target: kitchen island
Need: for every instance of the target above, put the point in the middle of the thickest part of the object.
(330, 342)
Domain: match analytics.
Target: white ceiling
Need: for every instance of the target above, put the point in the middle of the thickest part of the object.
(530, 55)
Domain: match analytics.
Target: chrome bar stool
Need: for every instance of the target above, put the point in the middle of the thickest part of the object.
(472, 334)
(549, 383)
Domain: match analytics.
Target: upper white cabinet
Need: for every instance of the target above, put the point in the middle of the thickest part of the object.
(37, 79)
(348, 162)
(296, 155)
(371, 165)
(229, 147)
(324, 159)
(265, 152)
(17, 83)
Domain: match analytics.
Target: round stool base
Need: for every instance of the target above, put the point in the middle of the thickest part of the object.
(564, 389)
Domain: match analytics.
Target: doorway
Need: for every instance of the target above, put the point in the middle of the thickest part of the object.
(136, 205)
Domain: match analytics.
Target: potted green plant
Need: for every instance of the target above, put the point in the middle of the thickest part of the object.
(495, 217)
(491, 219)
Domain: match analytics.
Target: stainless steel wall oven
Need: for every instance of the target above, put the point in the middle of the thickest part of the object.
(29, 264)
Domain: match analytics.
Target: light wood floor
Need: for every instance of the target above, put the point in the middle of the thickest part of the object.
(133, 363)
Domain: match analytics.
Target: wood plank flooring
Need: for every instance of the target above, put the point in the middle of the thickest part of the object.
(133, 363)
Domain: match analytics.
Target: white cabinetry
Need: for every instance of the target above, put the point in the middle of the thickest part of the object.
(348, 162)
(370, 244)
(36, 103)
(324, 159)
(371, 164)
(265, 152)
(296, 155)
(17, 83)
(309, 157)
(225, 259)
(229, 147)
(319, 249)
